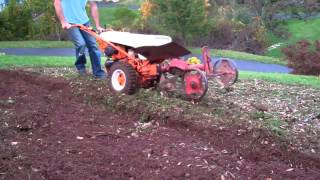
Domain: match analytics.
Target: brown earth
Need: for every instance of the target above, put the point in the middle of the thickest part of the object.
(47, 132)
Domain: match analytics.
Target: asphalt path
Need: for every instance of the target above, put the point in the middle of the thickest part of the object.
(241, 64)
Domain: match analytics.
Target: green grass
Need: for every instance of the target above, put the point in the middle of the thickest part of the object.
(36, 44)
(299, 30)
(241, 56)
(35, 61)
(290, 79)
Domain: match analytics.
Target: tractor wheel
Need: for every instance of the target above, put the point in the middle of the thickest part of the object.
(123, 78)
(226, 72)
(195, 84)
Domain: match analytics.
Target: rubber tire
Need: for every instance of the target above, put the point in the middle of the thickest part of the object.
(131, 85)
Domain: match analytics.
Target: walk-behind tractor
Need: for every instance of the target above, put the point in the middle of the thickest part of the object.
(144, 61)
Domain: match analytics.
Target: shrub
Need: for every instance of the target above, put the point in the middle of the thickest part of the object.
(182, 19)
(222, 34)
(16, 22)
(279, 28)
(243, 15)
(303, 57)
(124, 18)
(30, 19)
(252, 38)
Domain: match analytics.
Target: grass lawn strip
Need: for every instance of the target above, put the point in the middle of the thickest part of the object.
(36, 44)
(298, 29)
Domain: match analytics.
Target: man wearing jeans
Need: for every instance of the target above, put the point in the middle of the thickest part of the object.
(74, 12)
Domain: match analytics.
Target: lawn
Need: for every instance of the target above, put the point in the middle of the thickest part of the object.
(35, 61)
(298, 30)
(290, 79)
(35, 44)
(41, 61)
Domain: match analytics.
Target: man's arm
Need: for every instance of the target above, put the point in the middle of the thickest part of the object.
(95, 15)
(59, 12)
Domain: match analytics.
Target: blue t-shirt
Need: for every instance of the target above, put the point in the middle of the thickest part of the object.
(74, 11)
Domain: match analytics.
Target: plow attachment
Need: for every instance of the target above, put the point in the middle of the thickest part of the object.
(191, 80)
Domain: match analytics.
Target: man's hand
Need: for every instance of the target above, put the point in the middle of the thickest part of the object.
(59, 12)
(66, 25)
(95, 15)
(100, 29)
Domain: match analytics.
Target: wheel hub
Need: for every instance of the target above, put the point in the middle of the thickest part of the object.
(118, 80)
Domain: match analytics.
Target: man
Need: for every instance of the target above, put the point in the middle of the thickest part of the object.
(74, 12)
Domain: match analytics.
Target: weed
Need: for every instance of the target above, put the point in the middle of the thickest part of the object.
(276, 126)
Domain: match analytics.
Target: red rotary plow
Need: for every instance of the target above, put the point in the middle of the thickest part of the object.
(143, 61)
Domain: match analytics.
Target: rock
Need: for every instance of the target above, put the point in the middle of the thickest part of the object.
(79, 138)
(14, 143)
(11, 101)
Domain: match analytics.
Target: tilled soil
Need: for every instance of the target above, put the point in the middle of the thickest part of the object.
(46, 132)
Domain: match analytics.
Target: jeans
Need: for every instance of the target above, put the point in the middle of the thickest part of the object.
(81, 40)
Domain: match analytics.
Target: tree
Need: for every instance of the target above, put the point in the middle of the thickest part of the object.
(46, 23)
(183, 19)
(16, 22)
(30, 19)
(125, 18)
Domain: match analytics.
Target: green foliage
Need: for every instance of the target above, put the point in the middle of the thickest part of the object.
(124, 18)
(131, 2)
(243, 15)
(31, 19)
(46, 23)
(276, 126)
(182, 19)
(16, 22)
(106, 15)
